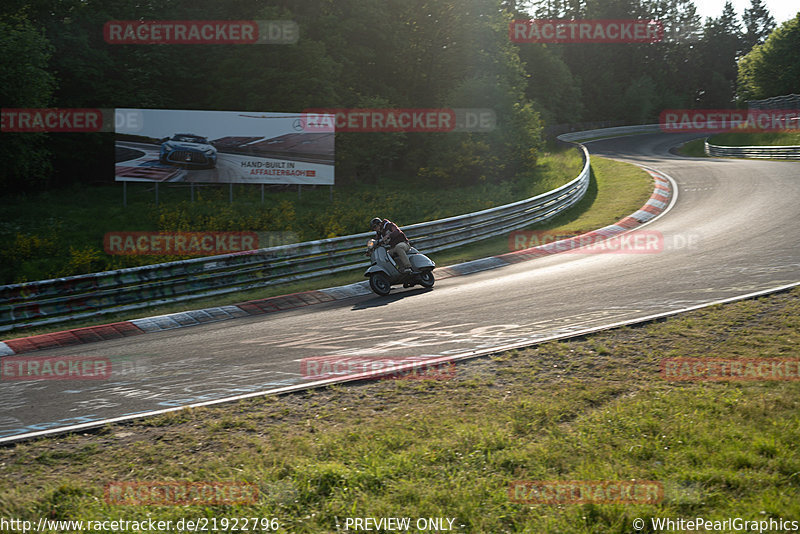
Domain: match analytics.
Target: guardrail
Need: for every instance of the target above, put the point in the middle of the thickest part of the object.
(760, 152)
(76, 297)
(776, 102)
(610, 132)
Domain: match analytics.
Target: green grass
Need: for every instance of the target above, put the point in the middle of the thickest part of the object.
(616, 190)
(757, 139)
(693, 149)
(593, 408)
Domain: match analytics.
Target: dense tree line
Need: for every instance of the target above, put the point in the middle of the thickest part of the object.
(694, 66)
(361, 53)
(772, 68)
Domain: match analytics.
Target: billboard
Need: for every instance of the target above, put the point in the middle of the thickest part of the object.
(154, 145)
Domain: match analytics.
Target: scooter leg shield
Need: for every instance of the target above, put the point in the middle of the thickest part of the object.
(420, 261)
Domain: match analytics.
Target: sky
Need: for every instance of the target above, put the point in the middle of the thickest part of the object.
(781, 10)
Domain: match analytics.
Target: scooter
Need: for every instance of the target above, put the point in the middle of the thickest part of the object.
(384, 273)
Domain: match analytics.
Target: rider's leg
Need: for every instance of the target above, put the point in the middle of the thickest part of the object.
(399, 251)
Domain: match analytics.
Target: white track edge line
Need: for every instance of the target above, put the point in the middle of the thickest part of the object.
(362, 376)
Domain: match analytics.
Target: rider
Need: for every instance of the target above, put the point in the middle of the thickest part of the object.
(390, 234)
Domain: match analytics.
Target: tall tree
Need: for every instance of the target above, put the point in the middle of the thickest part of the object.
(758, 23)
(772, 69)
(718, 52)
(404, 53)
(551, 85)
(24, 83)
(558, 9)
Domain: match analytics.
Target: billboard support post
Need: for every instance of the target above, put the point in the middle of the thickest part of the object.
(230, 193)
(262, 193)
(330, 197)
(124, 194)
(191, 188)
(156, 193)
(299, 191)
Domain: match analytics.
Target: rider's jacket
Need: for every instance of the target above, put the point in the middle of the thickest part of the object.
(395, 234)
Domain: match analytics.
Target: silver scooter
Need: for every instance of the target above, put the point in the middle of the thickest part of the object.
(384, 273)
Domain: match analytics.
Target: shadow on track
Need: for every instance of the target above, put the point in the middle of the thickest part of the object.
(377, 302)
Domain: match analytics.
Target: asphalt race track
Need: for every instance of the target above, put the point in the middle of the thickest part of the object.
(734, 229)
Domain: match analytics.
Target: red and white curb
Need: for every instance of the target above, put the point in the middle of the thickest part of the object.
(663, 196)
(658, 202)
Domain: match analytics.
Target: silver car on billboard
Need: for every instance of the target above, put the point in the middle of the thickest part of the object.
(188, 150)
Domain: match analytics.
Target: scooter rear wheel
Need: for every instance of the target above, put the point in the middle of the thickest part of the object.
(426, 279)
(379, 283)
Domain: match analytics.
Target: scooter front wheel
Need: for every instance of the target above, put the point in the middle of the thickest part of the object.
(426, 279)
(379, 283)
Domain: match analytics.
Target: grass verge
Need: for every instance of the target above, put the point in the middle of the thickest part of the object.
(593, 408)
(617, 189)
(756, 139)
(693, 149)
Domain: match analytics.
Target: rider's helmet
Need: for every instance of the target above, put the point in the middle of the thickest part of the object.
(374, 222)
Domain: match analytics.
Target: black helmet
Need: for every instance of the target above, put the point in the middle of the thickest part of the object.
(374, 221)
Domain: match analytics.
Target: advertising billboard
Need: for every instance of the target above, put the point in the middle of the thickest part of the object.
(153, 145)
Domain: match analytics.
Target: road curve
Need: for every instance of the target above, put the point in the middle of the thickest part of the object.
(733, 230)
